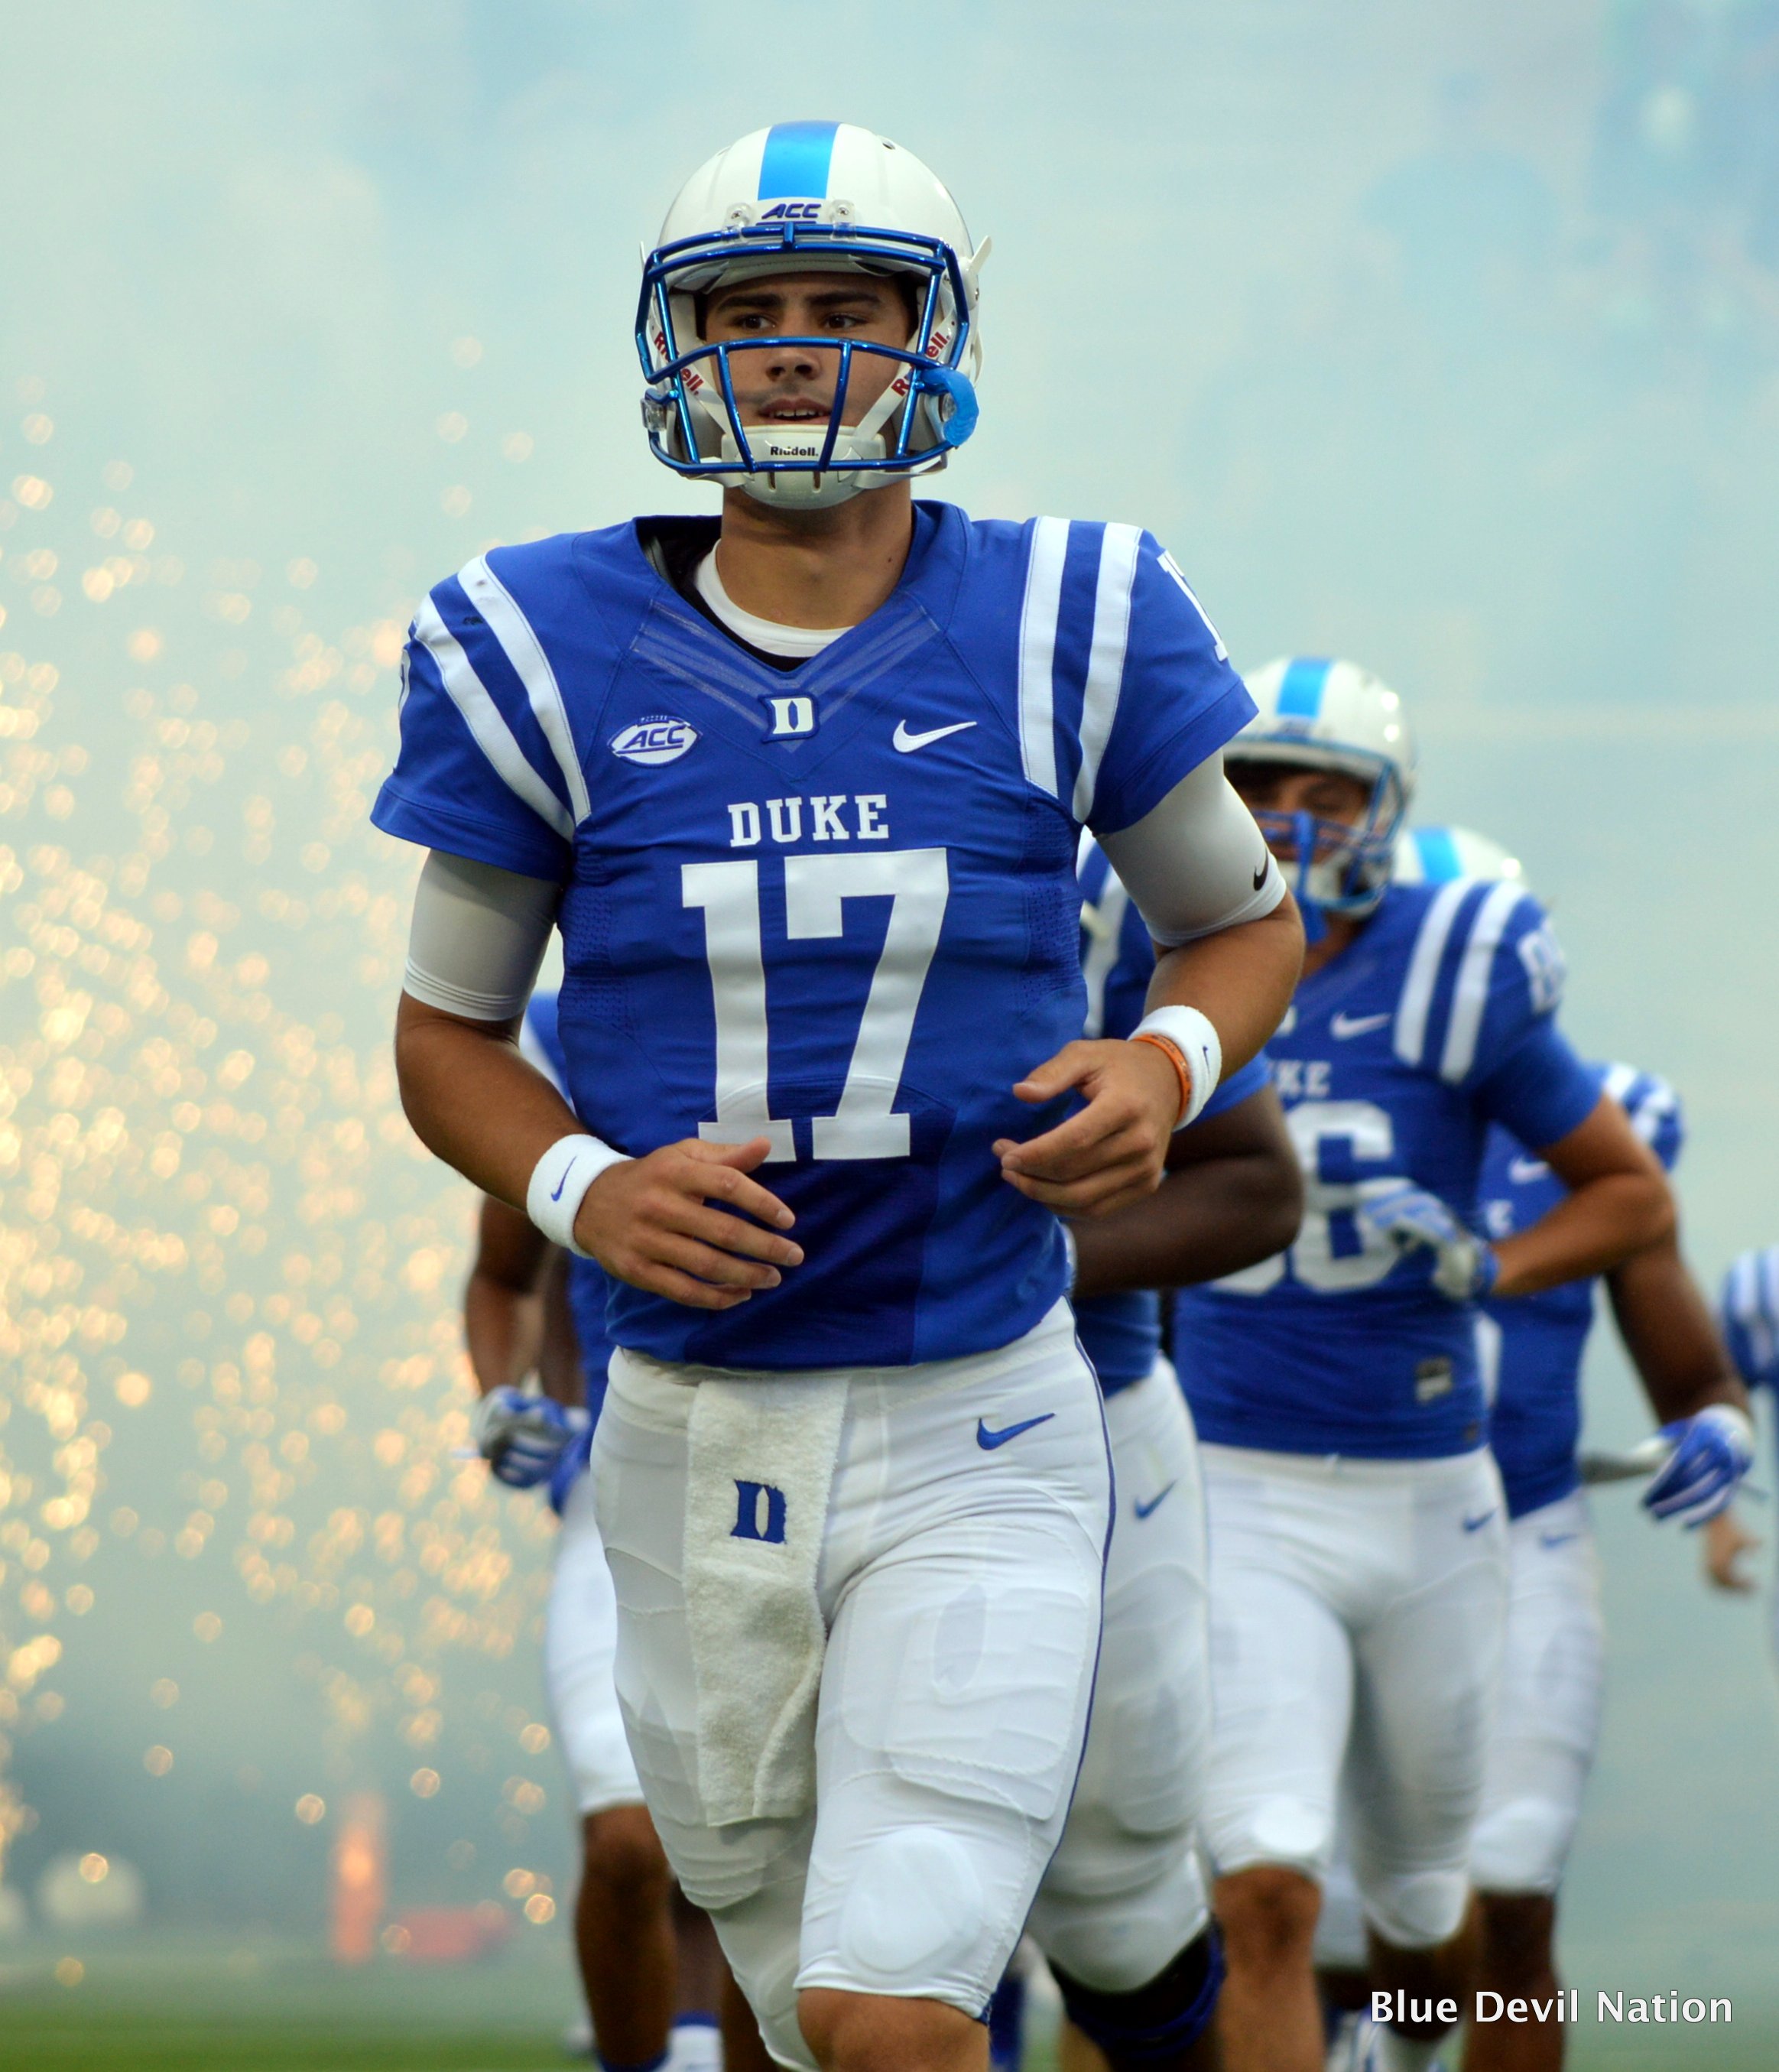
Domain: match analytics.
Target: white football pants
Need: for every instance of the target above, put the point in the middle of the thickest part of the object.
(1357, 1612)
(960, 1578)
(1125, 1893)
(579, 1647)
(1547, 1725)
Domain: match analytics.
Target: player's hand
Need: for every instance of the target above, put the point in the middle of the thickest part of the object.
(665, 1222)
(1109, 1152)
(1712, 1452)
(571, 1464)
(1725, 1545)
(1412, 1218)
(521, 1437)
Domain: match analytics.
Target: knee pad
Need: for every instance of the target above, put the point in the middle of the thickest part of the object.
(1158, 2020)
(1114, 1909)
(915, 1910)
(1522, 1846)
(1418, 1911)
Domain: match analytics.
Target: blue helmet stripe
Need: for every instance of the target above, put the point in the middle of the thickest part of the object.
(796, 159)
(1438, 855)
(1301, 690)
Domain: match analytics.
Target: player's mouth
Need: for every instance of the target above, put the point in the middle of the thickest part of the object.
(794, 410)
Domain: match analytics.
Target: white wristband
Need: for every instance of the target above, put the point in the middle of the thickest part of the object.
(1194, 1037)
(559, 1183)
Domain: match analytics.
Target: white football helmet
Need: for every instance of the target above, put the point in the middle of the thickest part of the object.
(808, 197)
(1434, 855)
(1330, 715)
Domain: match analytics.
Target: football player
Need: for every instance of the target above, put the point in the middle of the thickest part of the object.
(1126, 1880)
(802, 786)
(648, 1971)
(1357, 1535)
(1548, 1721)
(1748, 1313)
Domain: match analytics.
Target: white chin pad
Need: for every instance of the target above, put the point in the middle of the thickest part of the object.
(792, 443)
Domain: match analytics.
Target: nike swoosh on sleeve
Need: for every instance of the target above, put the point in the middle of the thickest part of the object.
(905, 743)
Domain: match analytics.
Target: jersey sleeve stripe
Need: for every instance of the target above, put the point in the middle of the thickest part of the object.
(520, 645)
(1037, 651)
(1112, 627)
(1470, 995)
(1416, 1002)
(491, 733)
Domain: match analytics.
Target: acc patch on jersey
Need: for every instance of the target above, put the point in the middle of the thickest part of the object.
(658, 738)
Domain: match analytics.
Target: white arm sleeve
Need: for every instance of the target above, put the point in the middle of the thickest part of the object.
(478, 937)
(1196, 863)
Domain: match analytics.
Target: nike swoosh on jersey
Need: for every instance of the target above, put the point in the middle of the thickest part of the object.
(1260, 875)
(905, 743)
(1477, 1524)
(987, 1440)
(1556, 1539)
(1344, 1024)
(1523, 1171)
(1154, 1502)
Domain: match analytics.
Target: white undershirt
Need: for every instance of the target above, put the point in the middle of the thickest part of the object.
(796, 643)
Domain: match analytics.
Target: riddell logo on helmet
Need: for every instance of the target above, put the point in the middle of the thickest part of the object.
(792, 211)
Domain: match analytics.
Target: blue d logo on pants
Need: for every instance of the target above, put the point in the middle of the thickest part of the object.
(748, 1525)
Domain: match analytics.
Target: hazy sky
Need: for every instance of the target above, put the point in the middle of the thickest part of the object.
(1446, 337)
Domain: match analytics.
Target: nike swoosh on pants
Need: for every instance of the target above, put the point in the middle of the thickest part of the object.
(987, 1440)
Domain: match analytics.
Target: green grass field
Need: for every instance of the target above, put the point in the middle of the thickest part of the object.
(163, 2003)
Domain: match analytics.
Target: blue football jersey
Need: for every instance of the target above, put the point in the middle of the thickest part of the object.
(1749, 1314)
(589, 1284)
(1121, 1333)
(1393, 1059)
(1534, 1423)
(835, 906)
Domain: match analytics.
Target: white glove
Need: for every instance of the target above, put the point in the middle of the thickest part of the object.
(1464, 1266)
(521, 1437)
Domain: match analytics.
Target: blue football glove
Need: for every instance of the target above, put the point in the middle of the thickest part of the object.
(521, 1437)
(571, 1464)
(1464, 1267)
(1712, 1453)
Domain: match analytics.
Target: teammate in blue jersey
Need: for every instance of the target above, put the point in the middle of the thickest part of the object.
(1127, 1873)
(1546, 1721)
(1358, 1547)
(1748, 1312)
(649, 1970)
(802, 788)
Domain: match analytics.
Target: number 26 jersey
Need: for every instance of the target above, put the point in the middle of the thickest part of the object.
(1395, 1057)
(833, 906)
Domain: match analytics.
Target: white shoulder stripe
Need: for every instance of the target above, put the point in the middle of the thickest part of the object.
(1620, 1080)
(1111, 627)
(1409, 1037)
(1470, 996)
(1037, 651)
(482, 715)
(520, 644)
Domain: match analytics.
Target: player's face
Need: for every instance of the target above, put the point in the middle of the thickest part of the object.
(780, 384)
(1275, 788)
